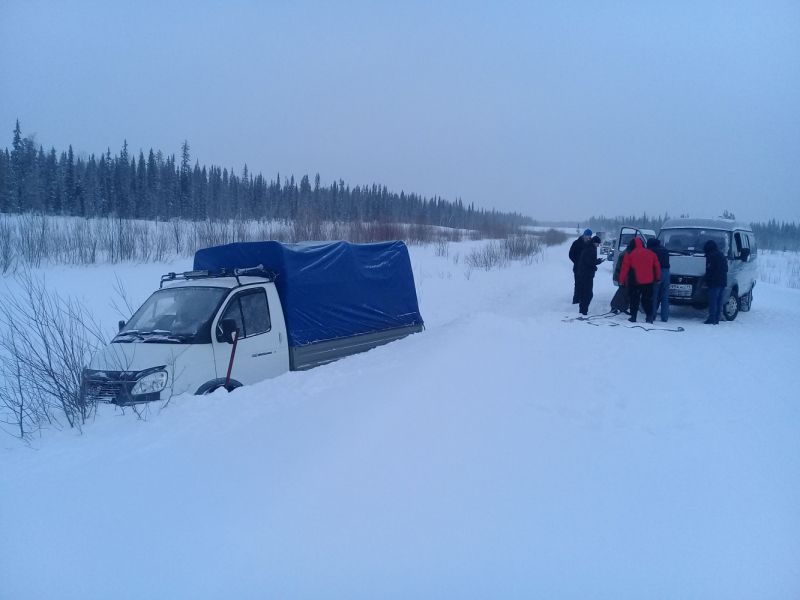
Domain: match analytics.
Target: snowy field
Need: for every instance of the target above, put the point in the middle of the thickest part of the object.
(502, 453)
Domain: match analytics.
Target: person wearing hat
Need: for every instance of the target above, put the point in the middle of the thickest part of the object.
(716, 279)
(587, 265)
(645, 270)
(575, 252)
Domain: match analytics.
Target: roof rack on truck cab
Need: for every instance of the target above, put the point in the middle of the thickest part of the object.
(258, 271)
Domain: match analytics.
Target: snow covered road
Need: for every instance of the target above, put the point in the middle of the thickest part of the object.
(501, 453)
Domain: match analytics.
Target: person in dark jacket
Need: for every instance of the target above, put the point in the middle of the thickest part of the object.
(575, 251)
(645, 271)
(587, 265)
(621, 301)
(716, 279)
(660, 289)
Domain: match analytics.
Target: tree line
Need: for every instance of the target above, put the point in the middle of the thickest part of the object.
(772, 235)
(159, 186)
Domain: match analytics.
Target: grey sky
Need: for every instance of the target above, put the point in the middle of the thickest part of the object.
(558, 110)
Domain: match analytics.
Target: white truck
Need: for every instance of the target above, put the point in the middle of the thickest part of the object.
(252, 311)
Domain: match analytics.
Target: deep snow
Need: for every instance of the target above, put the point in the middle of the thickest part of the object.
(501, 453)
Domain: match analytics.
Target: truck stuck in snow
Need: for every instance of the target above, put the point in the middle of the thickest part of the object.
(252, 311)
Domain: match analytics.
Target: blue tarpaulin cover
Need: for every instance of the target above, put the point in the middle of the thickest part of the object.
(329, 290)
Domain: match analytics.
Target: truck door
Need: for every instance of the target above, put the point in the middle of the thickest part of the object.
(260, 350)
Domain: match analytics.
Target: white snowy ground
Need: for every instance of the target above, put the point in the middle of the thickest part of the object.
(502, 453)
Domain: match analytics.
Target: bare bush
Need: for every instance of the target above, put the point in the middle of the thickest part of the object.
(33, 232)
(553, 237)
(161, 243)
(487, 257)
(419, 234)
(6, 244)
(522, 247)
(45, 342)
(34, 240)
(443, 248)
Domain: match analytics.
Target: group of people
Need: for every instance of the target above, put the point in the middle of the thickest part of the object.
(640, 272)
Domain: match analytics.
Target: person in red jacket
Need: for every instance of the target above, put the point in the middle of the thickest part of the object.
(645, 270)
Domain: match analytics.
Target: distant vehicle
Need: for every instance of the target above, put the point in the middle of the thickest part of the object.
(606, 247)
(685, 238)
(252, 311)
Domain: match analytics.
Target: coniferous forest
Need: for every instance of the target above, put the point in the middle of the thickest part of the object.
(159, 186)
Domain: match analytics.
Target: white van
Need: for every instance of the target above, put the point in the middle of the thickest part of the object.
(685, 238)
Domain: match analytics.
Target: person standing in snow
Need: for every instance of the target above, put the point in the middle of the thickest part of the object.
(575, 252)
(660, 289)
(645, 270)
(716, 279)
(621, 301)
(587, 265)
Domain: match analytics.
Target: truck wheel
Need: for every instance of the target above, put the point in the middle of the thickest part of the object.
(731, 308)
(212, 386)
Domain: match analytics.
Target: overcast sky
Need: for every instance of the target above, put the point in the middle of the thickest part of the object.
(558, 110)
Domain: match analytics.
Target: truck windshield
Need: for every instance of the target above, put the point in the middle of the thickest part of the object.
(179, 315)
(690, 241)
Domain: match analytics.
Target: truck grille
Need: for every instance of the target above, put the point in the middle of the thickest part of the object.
(103, 391)
(114, 386)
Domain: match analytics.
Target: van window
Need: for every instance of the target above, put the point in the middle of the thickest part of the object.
(178, 315)
(690, 240)
(626, 238)
(255, 312)
(741, 241)
(250, 311)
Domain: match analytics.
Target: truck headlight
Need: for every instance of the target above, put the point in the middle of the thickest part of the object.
(150, 384)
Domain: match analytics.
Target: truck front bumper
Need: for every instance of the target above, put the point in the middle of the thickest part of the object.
(115, 387)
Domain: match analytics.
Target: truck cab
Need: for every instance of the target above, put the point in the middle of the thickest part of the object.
(177, 343)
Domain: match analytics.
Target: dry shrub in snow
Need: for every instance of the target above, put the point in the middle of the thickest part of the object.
(553, 237)
(487, 257)
(522, 247)
(526, 248)
(782, 268)
(45, 341)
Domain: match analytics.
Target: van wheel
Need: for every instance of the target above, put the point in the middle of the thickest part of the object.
(731, 308)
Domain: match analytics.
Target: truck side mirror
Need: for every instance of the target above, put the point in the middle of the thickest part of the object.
(121, 325)
(744, 254)
(228, 327)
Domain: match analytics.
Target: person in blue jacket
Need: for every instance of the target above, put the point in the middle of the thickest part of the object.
(661, 289)
(716, 279)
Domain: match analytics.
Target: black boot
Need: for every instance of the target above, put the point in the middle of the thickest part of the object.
(632, 319)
